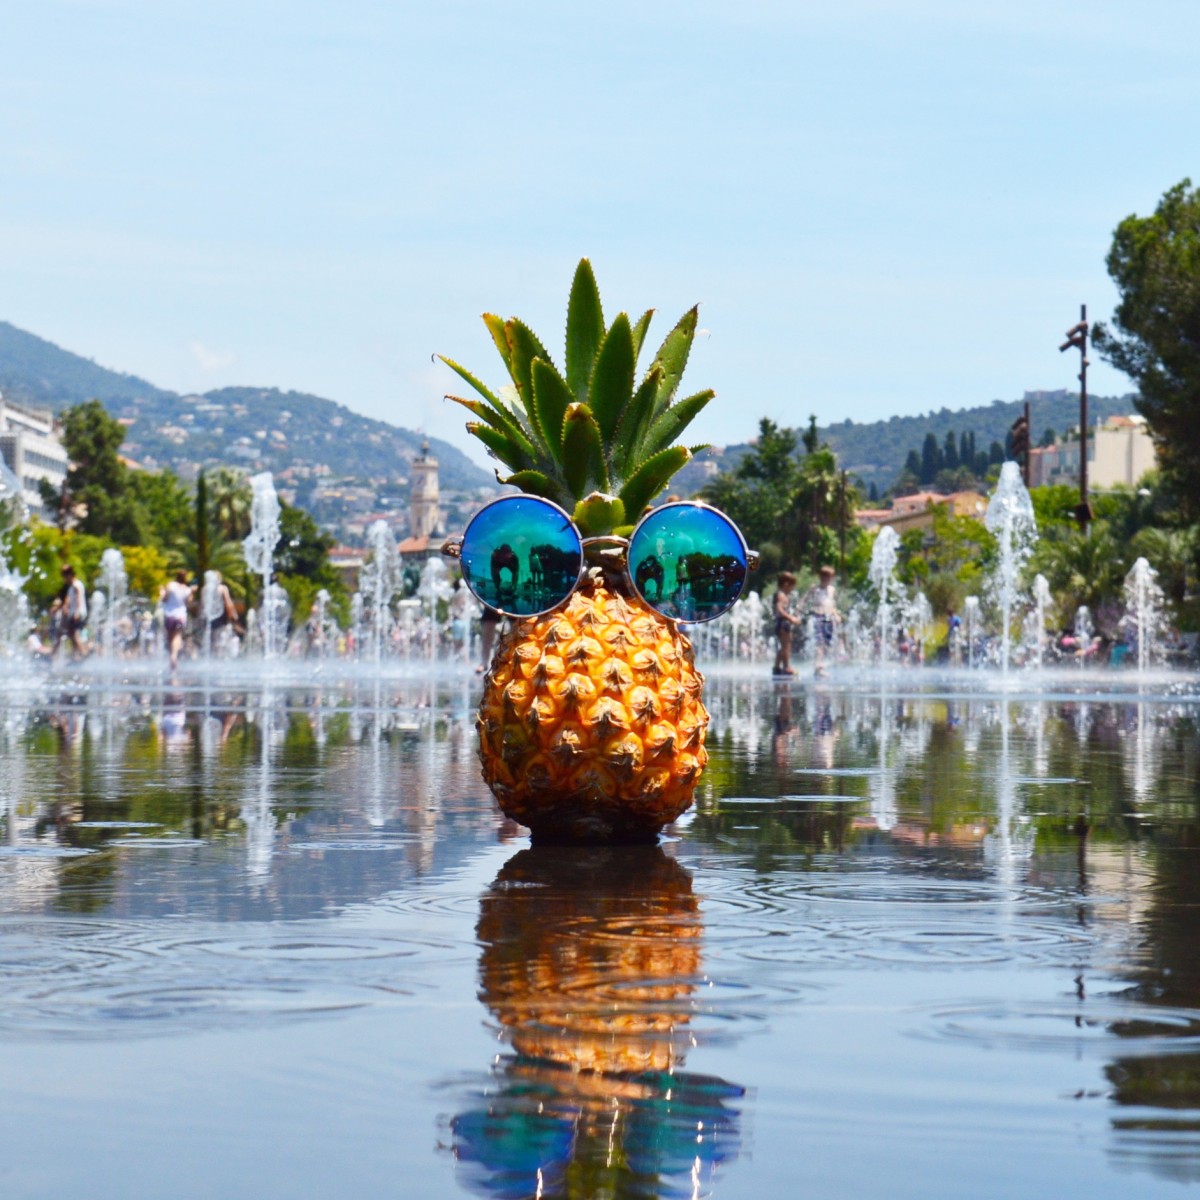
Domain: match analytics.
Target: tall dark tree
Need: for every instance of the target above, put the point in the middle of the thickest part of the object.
(912, 464)
(950, 459)
(203, 552)
(1155, 333)
(811, 438)
(931, 458)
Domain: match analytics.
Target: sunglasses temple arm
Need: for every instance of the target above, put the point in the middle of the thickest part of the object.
(452, 547)
(752, 559)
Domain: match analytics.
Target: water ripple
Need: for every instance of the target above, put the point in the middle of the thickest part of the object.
(91, 979)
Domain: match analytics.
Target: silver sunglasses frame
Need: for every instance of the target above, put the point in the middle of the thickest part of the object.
(452, 548)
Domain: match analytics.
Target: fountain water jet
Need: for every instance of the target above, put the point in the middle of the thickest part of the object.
(1010, 519)
(1144, 611)
(1041, 603)
(971, 626)
(259, 549)
(884, 554)
(114, 584)
(380, 581)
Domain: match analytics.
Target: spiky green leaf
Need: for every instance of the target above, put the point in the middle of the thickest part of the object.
(626, 447)
(535, 482)
(495, 326)
(500, 419)
(500, 446)
(640, 326)
(551, 398)
(585, 329)
(612, 377)
(524, 347)
(651, 477)
(481, 387)
(583, 451)
(672, 356)
(668, 426)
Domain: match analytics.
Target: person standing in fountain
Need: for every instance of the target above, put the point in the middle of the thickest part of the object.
(820, 603)
(72, 612)
(175, 598)
(785, 622)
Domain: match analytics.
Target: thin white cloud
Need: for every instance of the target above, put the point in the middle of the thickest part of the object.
(211, 360)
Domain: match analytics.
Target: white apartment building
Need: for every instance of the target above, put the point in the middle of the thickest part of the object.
(31, 449)
(1120, 451)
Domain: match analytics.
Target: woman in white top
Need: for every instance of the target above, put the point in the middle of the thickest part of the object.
(175, 598)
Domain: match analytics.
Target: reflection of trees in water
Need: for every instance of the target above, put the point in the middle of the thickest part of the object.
(590, 963)
(1165, 1136)
(110, 769)
(1116, 823)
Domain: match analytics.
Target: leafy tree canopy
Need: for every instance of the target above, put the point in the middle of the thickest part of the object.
(1155, 333)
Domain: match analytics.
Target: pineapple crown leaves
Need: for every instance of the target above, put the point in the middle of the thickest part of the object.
(596, 428)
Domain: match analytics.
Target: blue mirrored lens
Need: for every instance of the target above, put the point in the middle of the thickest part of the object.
(688, 562)
(521, 555)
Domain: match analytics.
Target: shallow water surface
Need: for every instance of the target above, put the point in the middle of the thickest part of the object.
(277, 941)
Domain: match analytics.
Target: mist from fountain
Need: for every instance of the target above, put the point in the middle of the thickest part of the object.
(1011, 521)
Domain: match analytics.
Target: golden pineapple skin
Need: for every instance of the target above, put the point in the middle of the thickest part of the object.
(591, 726)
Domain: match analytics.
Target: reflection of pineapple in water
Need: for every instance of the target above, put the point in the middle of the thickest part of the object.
(591, 725)
(590, 962)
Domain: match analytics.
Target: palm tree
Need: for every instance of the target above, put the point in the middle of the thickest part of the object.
(1172, 553)
(1081, 568)
(229, 502)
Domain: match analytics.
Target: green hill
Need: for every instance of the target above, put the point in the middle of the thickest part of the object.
(261, 429)
(875, 451)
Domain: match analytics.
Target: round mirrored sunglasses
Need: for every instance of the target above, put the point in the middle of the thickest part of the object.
(524, 556)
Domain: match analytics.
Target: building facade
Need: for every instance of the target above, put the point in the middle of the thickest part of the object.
(1120, 451)
(32, 450)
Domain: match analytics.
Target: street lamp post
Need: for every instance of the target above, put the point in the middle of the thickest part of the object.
(1077, 337)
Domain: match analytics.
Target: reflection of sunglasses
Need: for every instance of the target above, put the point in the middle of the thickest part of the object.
(523, 556)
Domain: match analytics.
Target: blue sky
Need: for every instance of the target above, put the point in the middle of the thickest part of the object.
(883, 207)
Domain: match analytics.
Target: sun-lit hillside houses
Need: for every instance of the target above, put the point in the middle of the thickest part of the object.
(1120, 451)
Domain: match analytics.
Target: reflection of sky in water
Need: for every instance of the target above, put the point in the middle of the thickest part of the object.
(496, 555)
(667, 537)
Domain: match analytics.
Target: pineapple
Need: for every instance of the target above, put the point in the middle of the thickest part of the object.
(591, 726)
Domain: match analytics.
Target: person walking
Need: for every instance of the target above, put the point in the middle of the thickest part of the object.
(72, 612)
(785, 623)
(175, 597)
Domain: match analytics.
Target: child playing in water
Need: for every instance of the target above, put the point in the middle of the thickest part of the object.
(785, 621)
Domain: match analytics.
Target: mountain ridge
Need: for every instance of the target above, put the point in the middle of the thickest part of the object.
(187, 431)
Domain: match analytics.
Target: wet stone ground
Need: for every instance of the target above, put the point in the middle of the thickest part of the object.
(913, 942)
